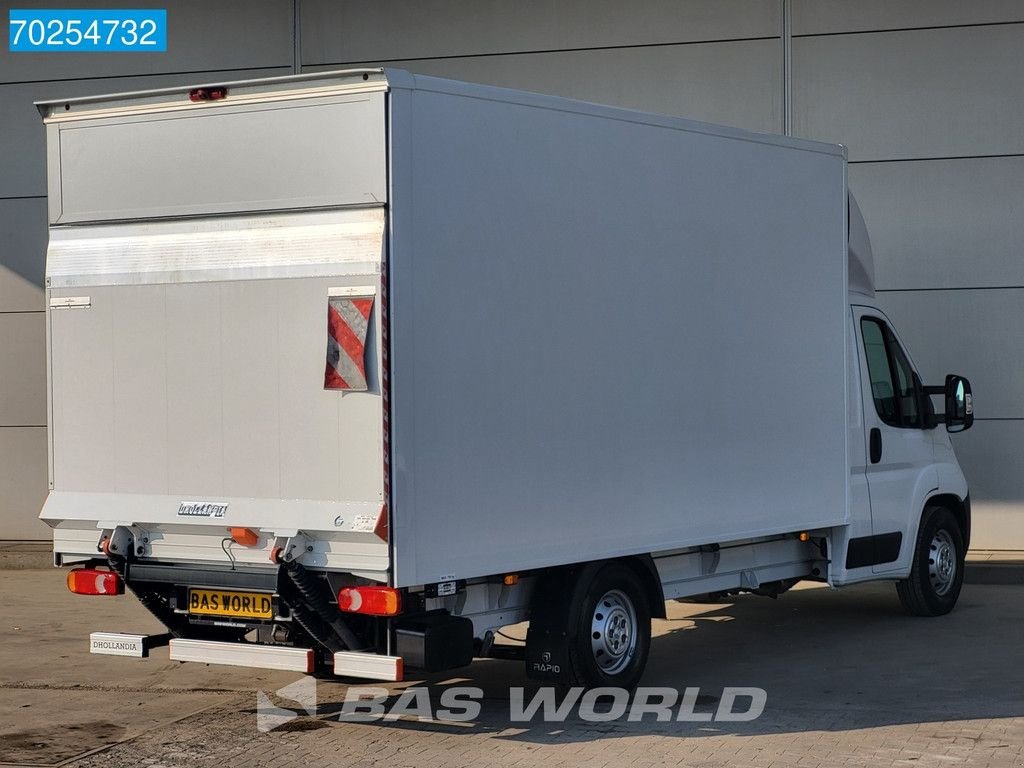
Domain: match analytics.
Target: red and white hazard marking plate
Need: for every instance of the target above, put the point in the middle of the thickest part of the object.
(348, 319)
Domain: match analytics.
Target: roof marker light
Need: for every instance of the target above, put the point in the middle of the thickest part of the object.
(215, 93)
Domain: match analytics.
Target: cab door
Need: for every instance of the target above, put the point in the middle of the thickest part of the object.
(897, 421)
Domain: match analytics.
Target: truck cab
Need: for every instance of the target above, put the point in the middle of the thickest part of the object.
(902, 464)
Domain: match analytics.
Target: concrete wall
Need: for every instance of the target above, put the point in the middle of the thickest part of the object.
(926, 94)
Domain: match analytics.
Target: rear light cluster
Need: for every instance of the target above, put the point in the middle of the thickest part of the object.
(93, 581)
(372, 601)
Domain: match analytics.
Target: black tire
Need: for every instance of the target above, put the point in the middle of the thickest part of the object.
(937, 571)
(610, 613)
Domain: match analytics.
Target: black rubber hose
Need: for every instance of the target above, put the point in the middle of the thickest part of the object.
(307, 619)
(312, 591)
(151, 601)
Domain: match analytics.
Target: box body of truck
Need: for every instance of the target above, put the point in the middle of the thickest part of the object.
(416, 333)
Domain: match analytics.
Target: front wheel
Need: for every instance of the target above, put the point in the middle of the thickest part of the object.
(937, 572)
(612, 635)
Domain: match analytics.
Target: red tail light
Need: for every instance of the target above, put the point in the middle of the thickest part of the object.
(373, 601)
(92, 581)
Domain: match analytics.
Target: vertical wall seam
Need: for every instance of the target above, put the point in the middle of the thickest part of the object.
(296, 37)
(787, 67)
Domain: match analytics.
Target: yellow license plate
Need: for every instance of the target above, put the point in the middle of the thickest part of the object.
(221, 602)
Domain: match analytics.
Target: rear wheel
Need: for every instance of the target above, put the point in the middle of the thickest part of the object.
(612, 623)
(937, 572)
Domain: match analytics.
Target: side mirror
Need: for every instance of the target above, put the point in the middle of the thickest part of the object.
(959, 404)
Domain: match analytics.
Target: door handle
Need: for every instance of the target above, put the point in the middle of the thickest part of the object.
(875, 445)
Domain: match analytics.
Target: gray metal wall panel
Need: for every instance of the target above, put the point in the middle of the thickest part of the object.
(22, 482)
(944, 223)
(929, 93)
(736, 83)
(984, 451)
(989, 453)
(812, 17)
(334, 32)
(22, 254)
(978, 334)
(23, 168)
(201, 36)
(22, 369)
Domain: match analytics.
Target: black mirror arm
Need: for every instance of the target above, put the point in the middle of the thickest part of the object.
(935, 419)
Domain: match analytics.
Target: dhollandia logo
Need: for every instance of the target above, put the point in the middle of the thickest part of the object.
(463, 704)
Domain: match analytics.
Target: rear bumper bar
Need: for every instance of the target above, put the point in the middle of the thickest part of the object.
(242, 655)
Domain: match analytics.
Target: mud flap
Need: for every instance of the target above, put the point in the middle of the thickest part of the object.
(550, 631)
(547, 655)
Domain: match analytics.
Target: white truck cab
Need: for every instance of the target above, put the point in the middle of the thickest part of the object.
(350, 370)
(899, 460)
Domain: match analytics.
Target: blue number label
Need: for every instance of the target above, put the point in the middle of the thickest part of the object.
(88, 30)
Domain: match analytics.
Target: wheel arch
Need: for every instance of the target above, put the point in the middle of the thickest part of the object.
(961, 509)
(553, 596)
(644, 567)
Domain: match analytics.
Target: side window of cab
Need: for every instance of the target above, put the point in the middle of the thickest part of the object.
(895, 387)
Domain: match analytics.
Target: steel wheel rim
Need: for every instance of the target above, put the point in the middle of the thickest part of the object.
(942, 565)
(613, 632)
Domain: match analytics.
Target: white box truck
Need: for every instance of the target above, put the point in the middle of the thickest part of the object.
(353, 369)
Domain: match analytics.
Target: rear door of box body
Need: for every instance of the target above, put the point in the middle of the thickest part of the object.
(197, 253)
